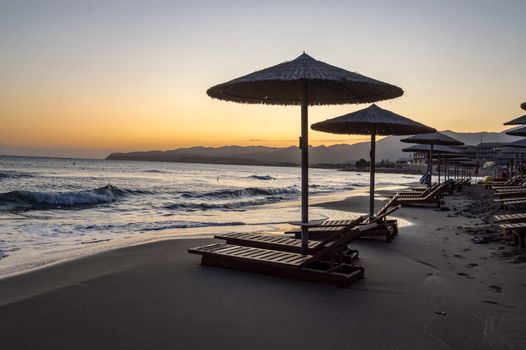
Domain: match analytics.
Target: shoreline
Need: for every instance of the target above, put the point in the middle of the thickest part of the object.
(432, 288)
(197, 232)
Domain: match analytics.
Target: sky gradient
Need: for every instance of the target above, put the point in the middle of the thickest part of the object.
(85, 78)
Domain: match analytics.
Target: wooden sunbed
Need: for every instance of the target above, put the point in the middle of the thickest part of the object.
(419, 191)
(387, 228)
(518, 230)
(517, 217)
(323, 266)
(433, 197)
(287, 244)
(505, 202)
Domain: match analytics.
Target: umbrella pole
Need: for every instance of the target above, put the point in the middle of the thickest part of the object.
(304, 144)
(371, 173)
(431, 165)
(438, 168)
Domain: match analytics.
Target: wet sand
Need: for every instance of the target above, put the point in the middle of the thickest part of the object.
(432, 288)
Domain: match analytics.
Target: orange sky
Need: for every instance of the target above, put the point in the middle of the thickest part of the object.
(85, 81)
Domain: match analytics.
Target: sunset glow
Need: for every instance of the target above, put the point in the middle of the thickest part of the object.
(86, 79)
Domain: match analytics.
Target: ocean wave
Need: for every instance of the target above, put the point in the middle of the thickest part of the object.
(244, 192)
(28, 200)
(155, 171)
(13, 175)
(155, 226)
(237, 205)
(262, 177)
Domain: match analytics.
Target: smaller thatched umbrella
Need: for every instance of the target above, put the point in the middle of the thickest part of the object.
(434, 151)
(438, 149)
(516, 147)
(433, 140)
(517, 121)
(373, 121)
(517, 132)
(523, 106)
(519, 143)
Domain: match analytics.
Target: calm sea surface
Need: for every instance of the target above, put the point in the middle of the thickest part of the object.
(54, 209)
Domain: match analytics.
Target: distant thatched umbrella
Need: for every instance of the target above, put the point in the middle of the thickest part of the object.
(519, 143)
(434, 151)
(304, 81)
(515, 147)
(517, 121)
(436, 138)
(433, 139)
(523, 106)
(438, 149)
(373, 121)
(517, 132)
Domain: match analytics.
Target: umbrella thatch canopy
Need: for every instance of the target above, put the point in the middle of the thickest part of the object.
(304, 81)
(288, 82)
(517, 132)
(523, 105)
(373, 121)
(437, 149)
(436, 138)
(519, 143)
(433, 139)
(517, 121)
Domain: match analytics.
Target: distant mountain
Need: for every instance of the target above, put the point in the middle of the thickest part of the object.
(387, 148)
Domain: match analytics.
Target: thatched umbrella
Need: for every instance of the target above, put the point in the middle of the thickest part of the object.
(434, 151)
(304, 81)
(523, 105)
(516, 147)
(517, 121)
(433, 140)
(373, 121)
(438, 149)
(517, 132)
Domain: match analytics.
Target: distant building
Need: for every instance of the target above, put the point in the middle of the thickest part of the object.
(487, 151)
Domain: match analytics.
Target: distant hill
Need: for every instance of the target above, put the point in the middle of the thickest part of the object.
(387, 148)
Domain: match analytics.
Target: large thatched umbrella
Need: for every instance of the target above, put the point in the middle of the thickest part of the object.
(373, 121)
(523, 105)
(304, 81)
(433, 140)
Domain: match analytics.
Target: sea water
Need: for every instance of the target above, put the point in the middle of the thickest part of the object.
(54, 209)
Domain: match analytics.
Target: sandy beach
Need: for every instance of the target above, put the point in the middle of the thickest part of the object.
(432, 288)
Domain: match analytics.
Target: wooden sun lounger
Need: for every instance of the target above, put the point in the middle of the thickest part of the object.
(417, 193)
(387, 228)
(323, 266)
(506, 196)
(433, 197)
(518, 217)
(510, 198)
(505, 202)
(518, 230)
(286, 244)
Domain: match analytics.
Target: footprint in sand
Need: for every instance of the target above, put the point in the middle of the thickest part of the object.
(490, 302)
(466, 250)
(459, 256)
(497, 289)
(472, 265)
(467, 275)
